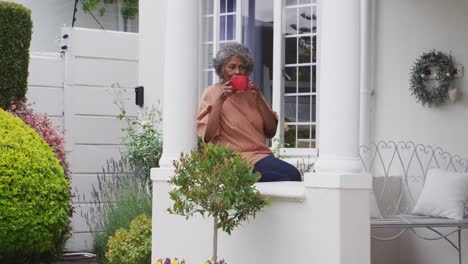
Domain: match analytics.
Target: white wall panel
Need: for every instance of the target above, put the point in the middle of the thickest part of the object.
(46, 100)
(90, 100)
(74, 90)
(82, 186)
(404, 29)
(92, 158)
(103, 44)
(97, 130)
(46, 69)
(57, 121)
(105, 72)
(78, 222)
(80, 242)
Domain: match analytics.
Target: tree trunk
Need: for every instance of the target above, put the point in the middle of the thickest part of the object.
(215, 239)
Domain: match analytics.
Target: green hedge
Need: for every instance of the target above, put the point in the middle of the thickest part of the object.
(15, 38)
(34, 197)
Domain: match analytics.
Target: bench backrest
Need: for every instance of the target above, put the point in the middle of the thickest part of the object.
(399, 171)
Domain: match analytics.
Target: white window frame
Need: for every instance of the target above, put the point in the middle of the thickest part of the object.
(278, 85)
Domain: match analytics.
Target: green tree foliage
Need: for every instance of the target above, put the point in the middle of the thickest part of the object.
(15, 38)
(128, 8)
(34, 197)
(215, 182)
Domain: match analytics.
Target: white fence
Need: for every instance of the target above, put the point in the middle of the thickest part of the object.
(74, 89)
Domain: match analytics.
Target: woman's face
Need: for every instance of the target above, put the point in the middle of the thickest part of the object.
(233, 66)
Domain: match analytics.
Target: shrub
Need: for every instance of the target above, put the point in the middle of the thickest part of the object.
(131, 246)
(121, 183)
(15, 38)
(44, 127)
(34, 196)
(141, 138)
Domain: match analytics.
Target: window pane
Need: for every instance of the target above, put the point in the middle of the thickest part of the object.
(290, 80)
(304, 79)
(304, 1)
(314, 19)
(231, 26)
(222, 6)
(304, 108)
(290, 136)
(303, 132)
(222, 28)
(305, 19)
(231, 5)
(290, 56)
(314, 79)
(291, 21)
(304, 50)
(291, 2)
(314, 109)
(290, 108)
(314, 48)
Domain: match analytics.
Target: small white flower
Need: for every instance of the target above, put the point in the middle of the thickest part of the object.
(436, 53)
(423, 75)
(448, 74)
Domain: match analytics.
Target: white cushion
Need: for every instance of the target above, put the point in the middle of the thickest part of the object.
(374, 207)
(444, 195)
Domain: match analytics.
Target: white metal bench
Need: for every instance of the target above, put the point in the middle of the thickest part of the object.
(399, 171)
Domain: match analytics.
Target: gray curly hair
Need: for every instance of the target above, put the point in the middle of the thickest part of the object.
(229, 50)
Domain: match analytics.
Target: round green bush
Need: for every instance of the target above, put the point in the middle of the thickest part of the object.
(34, 197)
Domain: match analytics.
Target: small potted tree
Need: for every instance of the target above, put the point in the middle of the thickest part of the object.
(215, 182)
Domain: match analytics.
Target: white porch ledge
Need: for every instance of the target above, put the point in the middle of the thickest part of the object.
(284, 191)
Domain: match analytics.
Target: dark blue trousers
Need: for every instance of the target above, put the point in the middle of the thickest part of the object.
(272, 169)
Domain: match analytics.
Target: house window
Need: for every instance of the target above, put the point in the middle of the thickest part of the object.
(300, 67)
(221, 25)
(285, 66)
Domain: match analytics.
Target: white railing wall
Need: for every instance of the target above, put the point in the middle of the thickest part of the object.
(74, 89)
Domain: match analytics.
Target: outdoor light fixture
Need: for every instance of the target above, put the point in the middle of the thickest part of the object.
(139, 95)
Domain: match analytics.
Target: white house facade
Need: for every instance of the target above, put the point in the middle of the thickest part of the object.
(337, 72)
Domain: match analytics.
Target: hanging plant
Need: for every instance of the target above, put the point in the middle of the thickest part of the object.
(420, 73)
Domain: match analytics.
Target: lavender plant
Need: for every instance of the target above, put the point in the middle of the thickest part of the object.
(121, 195)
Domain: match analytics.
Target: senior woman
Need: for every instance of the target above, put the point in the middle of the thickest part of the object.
(241, 120)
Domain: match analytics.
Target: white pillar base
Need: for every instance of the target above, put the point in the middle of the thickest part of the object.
(345, 216)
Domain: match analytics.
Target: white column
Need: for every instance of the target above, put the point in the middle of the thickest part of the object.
(338, 181)
(180, 89)
(180, 79)
(366, 70)
(339, 82)
(152, 17)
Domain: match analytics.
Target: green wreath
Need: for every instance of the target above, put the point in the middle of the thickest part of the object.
(420, 73)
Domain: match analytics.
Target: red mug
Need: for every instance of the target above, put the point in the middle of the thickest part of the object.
(240, 83)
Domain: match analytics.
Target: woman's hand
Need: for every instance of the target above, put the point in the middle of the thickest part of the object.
(255, 90)
(225, 91)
